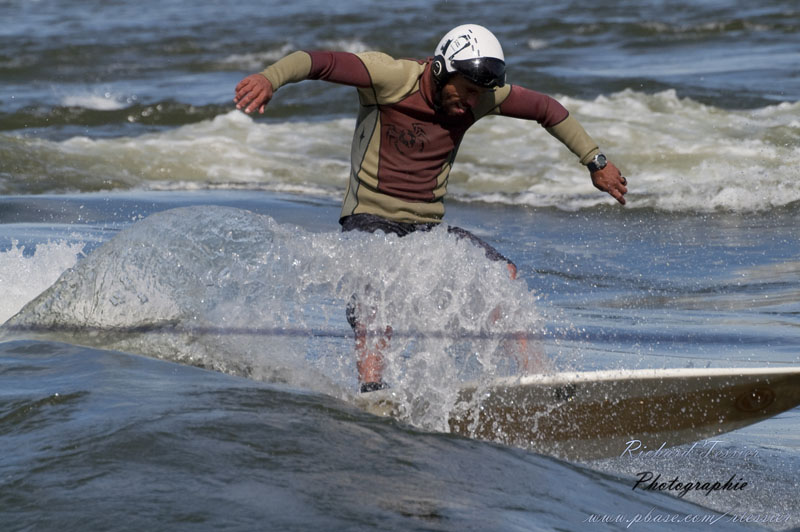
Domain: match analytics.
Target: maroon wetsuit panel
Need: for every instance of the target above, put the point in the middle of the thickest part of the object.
(415, 144)
(532, 105)
(339, 67)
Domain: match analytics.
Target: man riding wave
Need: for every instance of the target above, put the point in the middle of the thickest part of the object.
(412, 117)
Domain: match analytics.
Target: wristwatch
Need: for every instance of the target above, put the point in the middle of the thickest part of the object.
(597, 163)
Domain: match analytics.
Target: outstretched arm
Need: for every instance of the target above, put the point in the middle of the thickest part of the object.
(532, 105)
(256, 90)
(574, 137)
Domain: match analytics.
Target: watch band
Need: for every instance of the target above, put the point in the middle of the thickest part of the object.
(597, 163)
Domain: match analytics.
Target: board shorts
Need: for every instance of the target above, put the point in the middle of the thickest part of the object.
(370, 223)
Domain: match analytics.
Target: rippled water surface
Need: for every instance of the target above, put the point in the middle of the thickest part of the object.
(175, 353)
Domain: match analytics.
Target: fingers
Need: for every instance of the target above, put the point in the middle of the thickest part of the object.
(253, 92)
(242, 89)
(621, 189)
(512, 271)
(249, 97)
(619, 196)
(611, 180)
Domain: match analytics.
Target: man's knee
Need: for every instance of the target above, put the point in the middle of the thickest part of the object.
(351, 311)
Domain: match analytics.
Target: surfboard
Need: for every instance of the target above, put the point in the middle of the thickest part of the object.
(595, 414)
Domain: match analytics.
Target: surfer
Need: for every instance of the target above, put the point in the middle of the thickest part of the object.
(412, 117)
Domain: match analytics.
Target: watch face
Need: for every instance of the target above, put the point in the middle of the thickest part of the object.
(598, 163)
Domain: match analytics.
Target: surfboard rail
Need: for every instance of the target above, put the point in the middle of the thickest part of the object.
(586, 415)
(590, 415)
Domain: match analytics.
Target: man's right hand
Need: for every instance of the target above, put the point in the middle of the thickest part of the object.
(609, 179)
(253, 92)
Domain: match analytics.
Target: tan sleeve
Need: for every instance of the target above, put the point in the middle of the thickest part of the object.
(490, 101)
(571, 133)
(392, 79)
(291, 69)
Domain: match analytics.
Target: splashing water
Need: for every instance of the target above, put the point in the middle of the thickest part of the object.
(23, 275)
(237, 292)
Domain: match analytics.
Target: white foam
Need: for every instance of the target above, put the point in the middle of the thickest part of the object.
(256, 61)
(678, 155)
(353, 46)
(231, 148)
(23, 278)
(91, 101)
(537, 44)
(97, 100)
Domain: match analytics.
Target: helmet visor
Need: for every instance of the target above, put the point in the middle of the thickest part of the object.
(488, 72)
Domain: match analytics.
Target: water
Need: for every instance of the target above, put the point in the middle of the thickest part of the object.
(175, 353)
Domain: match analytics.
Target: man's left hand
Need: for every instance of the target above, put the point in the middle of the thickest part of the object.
(609, 179)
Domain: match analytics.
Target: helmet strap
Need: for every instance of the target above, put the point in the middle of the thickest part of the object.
(439, 70)
(440, 76)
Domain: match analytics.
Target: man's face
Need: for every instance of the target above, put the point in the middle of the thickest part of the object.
(459, 95)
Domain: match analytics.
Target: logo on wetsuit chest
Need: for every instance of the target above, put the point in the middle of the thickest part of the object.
(407, 140)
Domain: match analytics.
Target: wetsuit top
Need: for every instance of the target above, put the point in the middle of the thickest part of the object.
(404, 145)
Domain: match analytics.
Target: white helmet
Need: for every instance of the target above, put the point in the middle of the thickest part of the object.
(472, 51)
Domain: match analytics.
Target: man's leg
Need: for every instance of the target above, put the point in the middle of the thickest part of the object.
(369, 359)
(530, 358)
(371, 342)
(370, 345)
